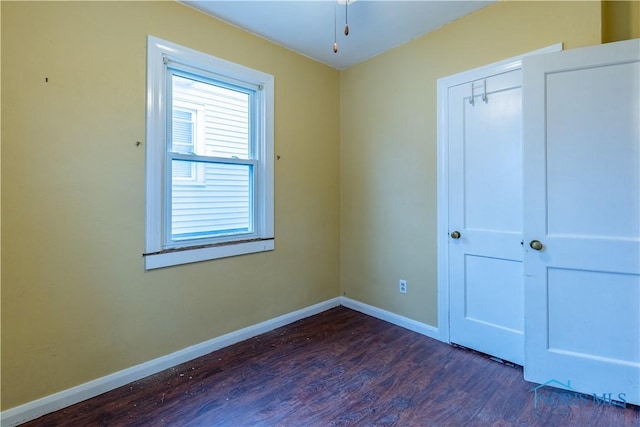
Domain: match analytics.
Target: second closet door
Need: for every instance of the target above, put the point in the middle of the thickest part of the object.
(485, 216)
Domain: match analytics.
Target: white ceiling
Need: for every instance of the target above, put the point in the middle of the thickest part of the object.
(307, 26)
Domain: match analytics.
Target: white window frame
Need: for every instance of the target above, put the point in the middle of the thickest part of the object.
(157, 253)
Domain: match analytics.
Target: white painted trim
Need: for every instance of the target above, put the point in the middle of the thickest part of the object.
(387, 316)
(167, 259)
(37, 408)
(442, 202)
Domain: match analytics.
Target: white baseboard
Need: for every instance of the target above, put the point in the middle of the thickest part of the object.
(37, 408)
(378, 313)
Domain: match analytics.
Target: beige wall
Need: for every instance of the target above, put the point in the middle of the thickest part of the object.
(620, 20)
(76, 301)
(388, 143)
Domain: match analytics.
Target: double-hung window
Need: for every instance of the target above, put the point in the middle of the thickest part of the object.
(209, 157)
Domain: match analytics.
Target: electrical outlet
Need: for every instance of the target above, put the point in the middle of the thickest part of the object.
(402, 286)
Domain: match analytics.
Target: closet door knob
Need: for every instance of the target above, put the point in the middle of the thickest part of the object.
(455, 235)
(536, 245)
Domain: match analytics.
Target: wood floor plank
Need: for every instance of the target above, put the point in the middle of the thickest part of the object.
(339, 368)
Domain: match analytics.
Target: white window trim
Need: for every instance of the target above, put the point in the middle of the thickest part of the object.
(156, 254)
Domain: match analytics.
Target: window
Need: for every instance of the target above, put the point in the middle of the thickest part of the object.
(187, 137)
(209, 157)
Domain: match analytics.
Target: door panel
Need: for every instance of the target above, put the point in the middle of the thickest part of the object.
(582, 201)
(494, 277)
(493, 192)
(485, 206)
(617, 292)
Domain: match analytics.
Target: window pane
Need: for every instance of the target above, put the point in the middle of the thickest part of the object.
(183, 131)
(226, 117)
(183, 171)
(220, 204)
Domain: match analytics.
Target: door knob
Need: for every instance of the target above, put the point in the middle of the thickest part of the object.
(536, 245)
(455, 235)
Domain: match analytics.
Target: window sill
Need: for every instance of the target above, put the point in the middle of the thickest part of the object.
(187, 256)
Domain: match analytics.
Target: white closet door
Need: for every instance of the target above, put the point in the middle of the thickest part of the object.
(582, 203)
(485, 216)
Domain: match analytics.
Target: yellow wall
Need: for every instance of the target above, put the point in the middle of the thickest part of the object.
(76, 301)
(388, 143)
(620, 20)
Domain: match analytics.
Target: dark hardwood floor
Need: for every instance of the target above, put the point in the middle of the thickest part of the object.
(339, 368)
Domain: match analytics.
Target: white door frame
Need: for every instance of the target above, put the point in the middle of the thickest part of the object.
(442, 239)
